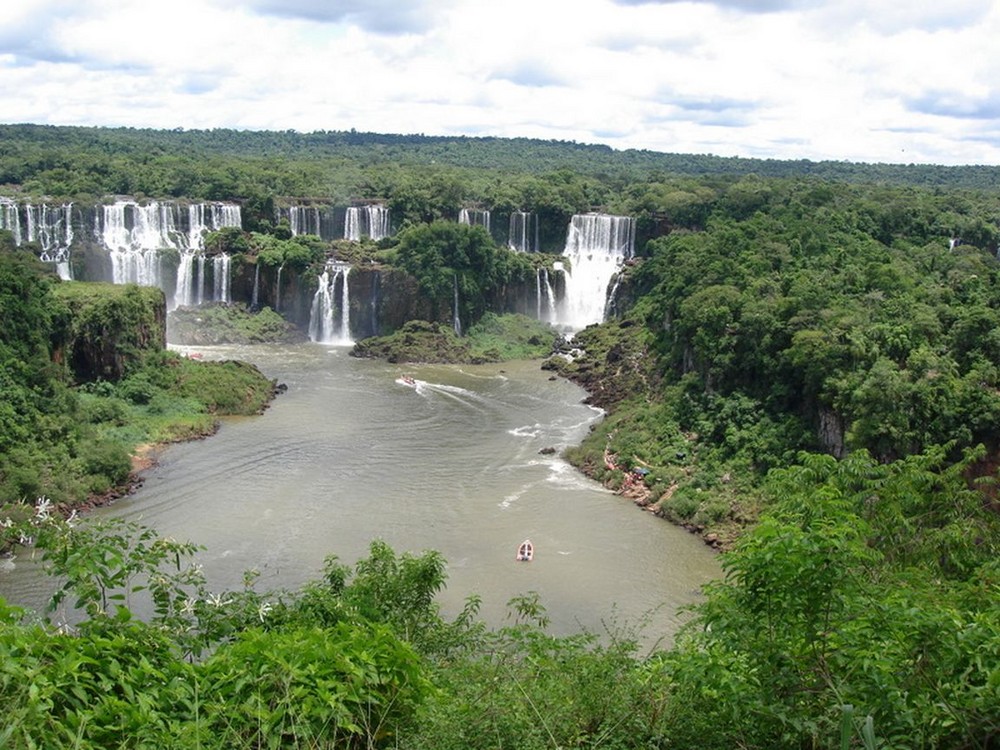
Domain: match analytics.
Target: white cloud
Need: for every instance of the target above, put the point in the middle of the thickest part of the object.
(777, 78)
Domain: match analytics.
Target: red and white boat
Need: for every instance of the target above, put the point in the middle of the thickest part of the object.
(526, 552)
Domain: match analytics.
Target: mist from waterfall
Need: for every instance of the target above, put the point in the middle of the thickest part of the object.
(366, 221)
(330, 322)
(596, 247)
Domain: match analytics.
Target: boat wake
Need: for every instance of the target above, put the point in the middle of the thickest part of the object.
(529, 431)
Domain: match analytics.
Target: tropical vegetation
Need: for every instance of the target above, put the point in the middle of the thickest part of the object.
(802, 362)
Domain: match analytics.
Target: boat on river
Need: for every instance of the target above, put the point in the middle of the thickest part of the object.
(525, 552)
(407, 380)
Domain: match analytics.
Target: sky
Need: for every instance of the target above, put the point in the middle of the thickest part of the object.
(900, 81)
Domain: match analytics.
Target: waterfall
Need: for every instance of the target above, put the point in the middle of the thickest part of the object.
(456, 320)
(366, 221)
(308, 220)
(220, 276)
(474, 217)
(375, 304)
(519, 237)
(9, 219)
(134, 234)
(184, 293)
(545, 296)
(255, 295)
(325, 325)
(52, 228)
(125, 231)
(200, 287)
(596, 246)
(277, 289)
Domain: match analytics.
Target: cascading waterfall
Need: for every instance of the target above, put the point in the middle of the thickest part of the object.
(200, 286)
(456, 320)
(277, 289)
(134, 234)
(545, 296)
(184, 293)
(596, 246)
(255, 295)
(220, 277)
(307, 220)
(133, 252)
(519, 236)
(303, 220)
(9, 219)
(49, 226)
(474, 217)
(375, 303)
(366, 221)
(328, 322)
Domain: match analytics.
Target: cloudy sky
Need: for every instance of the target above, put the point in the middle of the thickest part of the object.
(858, 80)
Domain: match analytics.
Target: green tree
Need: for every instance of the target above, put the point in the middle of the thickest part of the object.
(449, 259)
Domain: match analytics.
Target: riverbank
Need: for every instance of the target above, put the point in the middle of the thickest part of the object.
(201, 393)
(637, 451)
(169, 399)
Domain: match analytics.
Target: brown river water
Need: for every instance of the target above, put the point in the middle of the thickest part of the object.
(351, 453)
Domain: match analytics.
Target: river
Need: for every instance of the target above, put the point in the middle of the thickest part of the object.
(350, 453)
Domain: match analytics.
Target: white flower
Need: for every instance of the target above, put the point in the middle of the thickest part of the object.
(6, 523)
(216, 600)
(188, 607)
(73, 518)
(43, 509)
(25, 539)
(263, 610)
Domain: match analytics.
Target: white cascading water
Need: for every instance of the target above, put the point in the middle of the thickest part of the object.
(545, 297)
(220, 276)
(474, 217)
(366, 221)
(184, 294)
(255, 295)
(200, 286)
(9, 219)
(330, 323)
(312, 219)
(519, 235)
(304, 220)
(456, 319)
(52, 228)
(596, 246)
(133, 235)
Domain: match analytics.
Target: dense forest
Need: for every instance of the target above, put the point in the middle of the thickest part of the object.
(802, 362)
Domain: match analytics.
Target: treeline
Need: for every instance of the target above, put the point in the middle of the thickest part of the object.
(22, 141)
